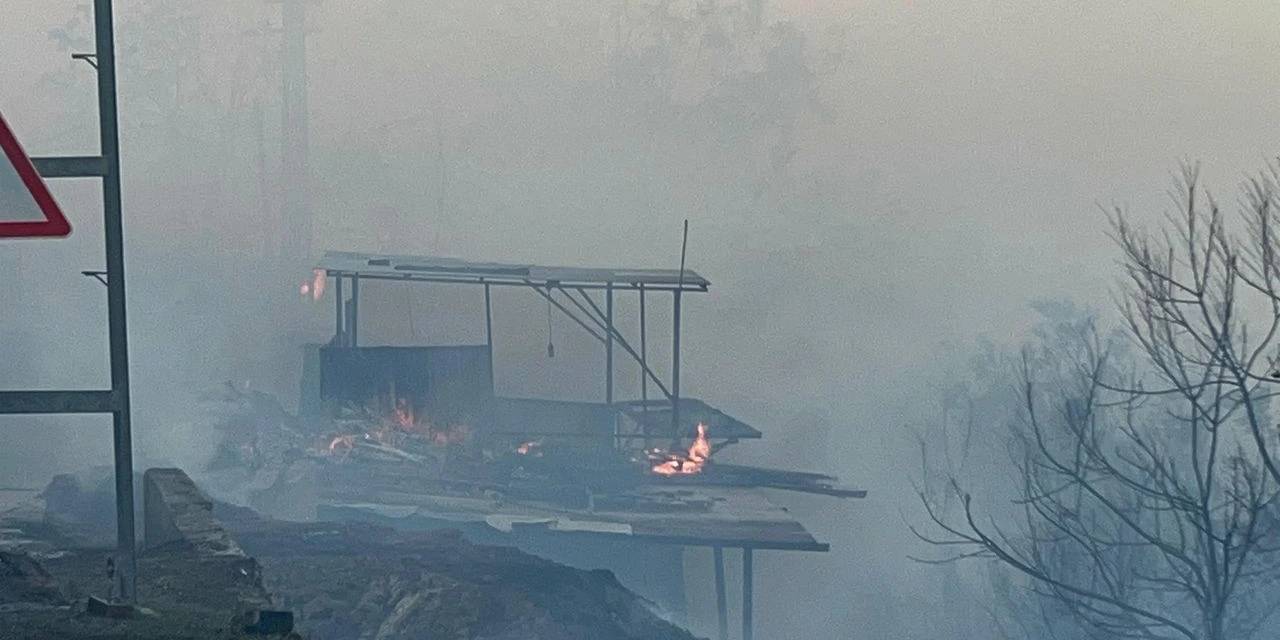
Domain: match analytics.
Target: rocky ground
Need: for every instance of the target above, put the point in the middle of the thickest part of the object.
(358, 580)
(342, 581)
(47, 577)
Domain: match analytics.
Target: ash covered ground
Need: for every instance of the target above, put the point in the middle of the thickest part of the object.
(338, 580)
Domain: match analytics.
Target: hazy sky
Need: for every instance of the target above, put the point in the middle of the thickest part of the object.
(962, 150)
(995, 127)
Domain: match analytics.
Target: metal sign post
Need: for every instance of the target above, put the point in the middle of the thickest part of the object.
(116, 400)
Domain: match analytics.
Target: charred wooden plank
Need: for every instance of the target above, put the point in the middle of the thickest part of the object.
(727, 475)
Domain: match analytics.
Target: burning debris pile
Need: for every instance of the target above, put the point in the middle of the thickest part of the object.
(258, 432)
(391, 426)
(392, 450)
(258, 436)
(675, 464)
(379, 472)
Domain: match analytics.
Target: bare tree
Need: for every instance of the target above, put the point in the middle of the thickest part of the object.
(1194, 293)
(1146, 484)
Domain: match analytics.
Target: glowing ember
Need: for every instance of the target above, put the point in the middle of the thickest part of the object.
(342, 443)
(392, 422)
(452, 434)
(315, 288)
(678, 464)
(403, 415)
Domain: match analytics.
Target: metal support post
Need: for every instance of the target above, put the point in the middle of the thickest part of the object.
(113, 231)
(338, 338)
(608, 344)
(722, 605)
(746, 593)
(488, 332)
(675, 341)
(644, 355)
(115, 401)
(596, 316)
(353, 318)
(675, 366)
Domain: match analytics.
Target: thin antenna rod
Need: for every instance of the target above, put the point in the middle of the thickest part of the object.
(684, 247)
(675, 342)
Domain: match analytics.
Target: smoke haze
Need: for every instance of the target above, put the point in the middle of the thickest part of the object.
(870, 186)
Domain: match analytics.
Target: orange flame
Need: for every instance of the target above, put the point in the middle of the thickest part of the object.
(675, 464)
(395, 426)
(314, 288)
(531, 447)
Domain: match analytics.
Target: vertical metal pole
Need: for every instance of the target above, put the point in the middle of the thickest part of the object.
(722, 605)
(746, 593)
(644, 355)
(608, 343)
(675, 366)
(113, 230)
(488, 332)
(353, 321)
(346, 328)
(338, 338)
(675, 341)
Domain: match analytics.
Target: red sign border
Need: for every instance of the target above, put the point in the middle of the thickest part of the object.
(55, 224)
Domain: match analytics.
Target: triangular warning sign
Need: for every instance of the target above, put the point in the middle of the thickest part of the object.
(27, 209)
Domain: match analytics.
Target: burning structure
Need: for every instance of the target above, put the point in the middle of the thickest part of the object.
(415, 437)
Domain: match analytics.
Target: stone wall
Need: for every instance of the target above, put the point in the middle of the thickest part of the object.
(178, 514)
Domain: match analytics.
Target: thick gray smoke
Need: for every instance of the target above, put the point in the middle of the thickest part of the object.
(870, 186)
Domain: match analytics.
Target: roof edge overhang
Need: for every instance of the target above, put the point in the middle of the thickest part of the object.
(456, 271)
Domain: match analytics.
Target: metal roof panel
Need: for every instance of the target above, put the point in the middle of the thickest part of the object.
(407, 267)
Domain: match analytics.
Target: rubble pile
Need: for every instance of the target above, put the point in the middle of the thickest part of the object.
(280, 464)
(357, 580)
(386, 450)
(67, 597)
(212, 571)
(255, 430)
(24, 583)
(57, 581)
